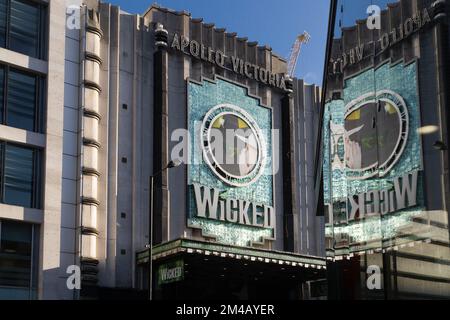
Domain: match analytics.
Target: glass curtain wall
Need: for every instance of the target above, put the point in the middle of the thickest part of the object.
(22, 27)
(18, 260)
(387, 227)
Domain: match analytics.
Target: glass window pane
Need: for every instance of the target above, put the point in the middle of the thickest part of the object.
(349, 11)
(2, 85)
(2, 148)
(21, 108)
(3, 13)
(24, 28)
(18, 176)
(15, 254)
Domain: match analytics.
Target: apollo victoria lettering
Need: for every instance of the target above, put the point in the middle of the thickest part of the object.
(231, 63)
(411, 25)
(388, 39)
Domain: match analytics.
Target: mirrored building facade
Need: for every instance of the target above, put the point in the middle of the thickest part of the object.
(385, 174)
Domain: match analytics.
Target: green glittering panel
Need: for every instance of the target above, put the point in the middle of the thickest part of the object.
(202, 98)
(375, 231)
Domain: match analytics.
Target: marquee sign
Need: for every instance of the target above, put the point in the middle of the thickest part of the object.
(238, 211)
(171, 272)
(230, 177)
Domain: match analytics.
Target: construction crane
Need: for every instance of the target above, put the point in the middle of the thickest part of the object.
(295, 52)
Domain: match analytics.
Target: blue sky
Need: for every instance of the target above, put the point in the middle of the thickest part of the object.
(272, 22)
(356, 9)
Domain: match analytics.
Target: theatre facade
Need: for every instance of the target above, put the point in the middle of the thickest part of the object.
(385, 151)
(227, 221)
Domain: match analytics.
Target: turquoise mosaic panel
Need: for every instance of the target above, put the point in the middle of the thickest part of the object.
(402, 80)
(334, 182)
(202, 98)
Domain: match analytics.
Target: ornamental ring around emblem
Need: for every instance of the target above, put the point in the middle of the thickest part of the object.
(233, 145)
(375, 134)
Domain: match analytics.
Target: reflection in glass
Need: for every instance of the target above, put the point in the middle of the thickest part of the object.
(24, 28)
(15, 252)
(2, 97)
(22, 104)
(18, 176)
(372, 135)
(17, 260)
(3, 11)
(384, 140)
(349, 11)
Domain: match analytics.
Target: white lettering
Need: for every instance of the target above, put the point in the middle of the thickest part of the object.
(374, 279)
(374, 19)
(74, 280)
(73, 17)
(236, 211)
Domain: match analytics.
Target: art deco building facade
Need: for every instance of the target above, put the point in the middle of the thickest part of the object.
(385, 150)
(92, 103)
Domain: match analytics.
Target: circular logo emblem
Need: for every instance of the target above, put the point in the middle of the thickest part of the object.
(233, 146)
(375, 134)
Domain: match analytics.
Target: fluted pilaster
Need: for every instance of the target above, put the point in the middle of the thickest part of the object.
(91, 121)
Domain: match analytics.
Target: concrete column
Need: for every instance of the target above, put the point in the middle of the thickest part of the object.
(440, 34)
(161, 138)
(50, 283)
(109, 279)
(290, 173)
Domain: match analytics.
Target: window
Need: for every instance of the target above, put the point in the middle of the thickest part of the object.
(2, 86)
(3, 13)
(22, 26)
(21, 99)
(20, 175)
(18, 260)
